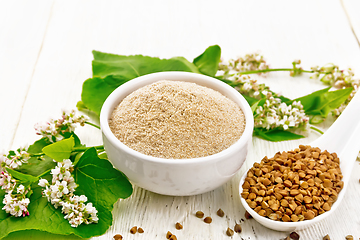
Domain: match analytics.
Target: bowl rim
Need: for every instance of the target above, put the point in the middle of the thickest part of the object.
(113, 100)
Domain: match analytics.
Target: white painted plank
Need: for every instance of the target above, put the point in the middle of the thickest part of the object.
(281, 30)
(22, 28)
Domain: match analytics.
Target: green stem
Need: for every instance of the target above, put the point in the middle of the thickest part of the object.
(82, 149)
(44, 173)
(275, 70)
(91, 124)
(316, 129)
(37, 154)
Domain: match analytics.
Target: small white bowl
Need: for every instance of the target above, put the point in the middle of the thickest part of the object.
(177, 177)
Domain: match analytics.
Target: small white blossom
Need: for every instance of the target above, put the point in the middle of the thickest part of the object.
(20, 189)
(275, 114)
(61, 194)
(15, 201)
(14, 206)
(43, 182)
(249, 62)
(54, 129)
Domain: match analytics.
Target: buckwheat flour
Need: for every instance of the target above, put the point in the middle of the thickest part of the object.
(172, 119)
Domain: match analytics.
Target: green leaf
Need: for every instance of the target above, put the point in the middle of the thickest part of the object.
(103, 155)
(21, 176)
(92, 172)
(330, 101)
(208, 61)
(95, 91)
(35, 166)
(323, 101)
(250, 100)
(37, 146)
(110, 71)
(129, 67)
(98, 180)
(81, 106)
(77, 142)
(309, 101)
(38, 235)
(257, 104)
(276, 135)
(60, 150)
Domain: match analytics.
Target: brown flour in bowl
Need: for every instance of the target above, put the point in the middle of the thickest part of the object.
(171, 119)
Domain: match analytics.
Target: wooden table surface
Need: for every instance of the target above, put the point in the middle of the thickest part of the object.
(45, 56)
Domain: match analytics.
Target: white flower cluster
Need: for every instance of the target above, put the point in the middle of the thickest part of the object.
(61, 193)
(333, 76)
(55, 128)
(15, 200)
(250, 62)
(250, 87)
(14, 159)
(275, 114)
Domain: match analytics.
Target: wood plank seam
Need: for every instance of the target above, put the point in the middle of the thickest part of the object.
(33, 73)
(350, 22)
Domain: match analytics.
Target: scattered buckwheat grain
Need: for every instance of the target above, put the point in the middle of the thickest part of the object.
(208, 220)
(294, 236)
(327, 237)
(229, 232)
(349, 237)
(220, 213)
(237, 228)
(247, 215)
(168, 234)
(178, 226)
(133, 230)
(199, 214)
(118, 237)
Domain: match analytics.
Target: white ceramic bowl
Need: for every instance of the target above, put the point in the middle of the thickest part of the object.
(178, 177)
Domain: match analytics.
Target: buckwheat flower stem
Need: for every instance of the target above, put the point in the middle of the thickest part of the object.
(91, 124)
(81, 149)
(316, 129)
(37, 154)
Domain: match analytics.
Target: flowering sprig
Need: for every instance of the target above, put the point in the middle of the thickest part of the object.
(14, 159)
(15, 201)
(273, 113)
(256, 65)
(270, 115)
(331, 75)
(61, 193)
(250, 62)
(276, 114)
(55, 129)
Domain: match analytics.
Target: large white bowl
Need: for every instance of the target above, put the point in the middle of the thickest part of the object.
(178, 177)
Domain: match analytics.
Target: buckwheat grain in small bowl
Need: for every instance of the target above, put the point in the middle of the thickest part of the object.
(292, 187)
(176, 133)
